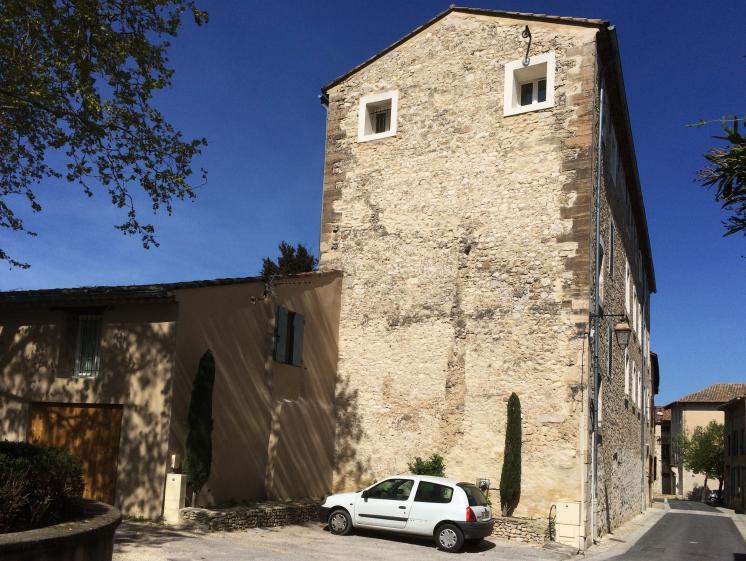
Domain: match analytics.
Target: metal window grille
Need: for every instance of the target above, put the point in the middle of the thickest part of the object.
(87, 356)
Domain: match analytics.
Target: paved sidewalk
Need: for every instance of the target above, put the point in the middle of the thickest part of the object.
(307, 542)
(626, 535)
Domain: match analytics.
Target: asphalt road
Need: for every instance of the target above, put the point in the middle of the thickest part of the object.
(308, 542)
(690, 531)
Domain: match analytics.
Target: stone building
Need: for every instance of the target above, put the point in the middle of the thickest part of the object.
(734, 495)
(689, 412)
(481, 198)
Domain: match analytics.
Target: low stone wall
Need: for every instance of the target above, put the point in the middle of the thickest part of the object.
(261, 515)
(90, 537)
(521, 529)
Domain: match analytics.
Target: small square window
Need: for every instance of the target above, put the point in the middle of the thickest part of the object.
(377, 117)
(529, 85)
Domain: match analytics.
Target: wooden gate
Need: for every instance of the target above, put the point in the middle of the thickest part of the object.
(91, 432)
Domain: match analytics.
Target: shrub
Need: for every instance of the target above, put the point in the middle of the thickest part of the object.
(510, 479)
(434, 465)
(39, 486)
(198, 454)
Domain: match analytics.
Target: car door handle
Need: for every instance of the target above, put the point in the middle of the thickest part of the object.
(402, 507)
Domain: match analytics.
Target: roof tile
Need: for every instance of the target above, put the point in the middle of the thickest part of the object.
(716, 393)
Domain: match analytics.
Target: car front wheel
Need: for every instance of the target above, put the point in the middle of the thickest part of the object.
(449, 538)
(340, 522)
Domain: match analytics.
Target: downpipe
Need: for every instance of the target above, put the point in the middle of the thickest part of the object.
(596, 312)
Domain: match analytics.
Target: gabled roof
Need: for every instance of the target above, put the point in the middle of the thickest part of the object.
(716, 393)
(463, 10)
(609, 51)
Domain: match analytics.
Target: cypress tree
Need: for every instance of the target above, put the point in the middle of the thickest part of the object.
(510, 479)
(198, 453)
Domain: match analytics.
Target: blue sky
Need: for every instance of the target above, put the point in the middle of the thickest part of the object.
(249, 80)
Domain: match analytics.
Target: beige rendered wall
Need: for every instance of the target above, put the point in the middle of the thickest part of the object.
(687, 417)
(273, 429)
(464, 245)
(136, 364)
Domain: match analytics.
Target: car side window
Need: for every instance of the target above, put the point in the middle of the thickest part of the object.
(392, 489)
(433, 493)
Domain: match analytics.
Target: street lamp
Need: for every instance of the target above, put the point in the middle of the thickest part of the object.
(622, 330)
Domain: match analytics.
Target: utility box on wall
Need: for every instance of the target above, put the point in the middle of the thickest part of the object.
(175, 497)
(568, 523)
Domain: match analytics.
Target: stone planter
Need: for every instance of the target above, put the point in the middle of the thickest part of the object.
(90, 537)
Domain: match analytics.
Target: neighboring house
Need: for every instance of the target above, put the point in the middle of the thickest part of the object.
(665, 480)
(689, 412)
(735, 454)
(459, 202)
(106, 373)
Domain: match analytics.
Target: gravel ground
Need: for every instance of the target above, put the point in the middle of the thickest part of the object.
(309, 542)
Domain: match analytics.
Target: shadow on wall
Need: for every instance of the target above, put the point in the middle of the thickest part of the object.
(349, 432)
(135, 372)
(274, 423)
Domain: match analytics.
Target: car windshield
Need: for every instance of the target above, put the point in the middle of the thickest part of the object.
(474, 494)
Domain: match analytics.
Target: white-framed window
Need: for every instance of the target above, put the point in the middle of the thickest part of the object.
(609, 349)
(377, 116)
(626, 287)
(602, 262)
(611, 248)
(88, 345)
(626, 372)
(529, 87)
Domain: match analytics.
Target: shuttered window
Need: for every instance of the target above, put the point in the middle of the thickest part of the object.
(288, 343)
(88, 348)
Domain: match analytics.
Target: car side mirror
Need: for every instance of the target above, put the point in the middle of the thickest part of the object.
(365, 495)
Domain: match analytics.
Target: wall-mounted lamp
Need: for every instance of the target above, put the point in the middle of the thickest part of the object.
(527, 35)
(622, 330)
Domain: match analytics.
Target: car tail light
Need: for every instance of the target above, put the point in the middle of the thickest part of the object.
(470, 516)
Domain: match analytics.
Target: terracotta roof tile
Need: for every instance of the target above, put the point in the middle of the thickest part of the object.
(716, 393)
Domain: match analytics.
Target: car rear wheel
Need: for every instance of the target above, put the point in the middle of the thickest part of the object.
(449, 538)
(340, 522)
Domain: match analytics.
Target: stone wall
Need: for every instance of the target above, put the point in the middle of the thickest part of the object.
(262, 515)
(626, 428)
(521, 529)
(464, 243)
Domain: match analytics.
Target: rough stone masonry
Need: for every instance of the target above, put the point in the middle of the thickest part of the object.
(465, 244)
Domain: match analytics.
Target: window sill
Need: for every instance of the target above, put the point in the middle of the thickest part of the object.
(288, 364)
(528, 108)
(378, 136)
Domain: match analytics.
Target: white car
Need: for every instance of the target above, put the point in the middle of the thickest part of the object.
(452, 513)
